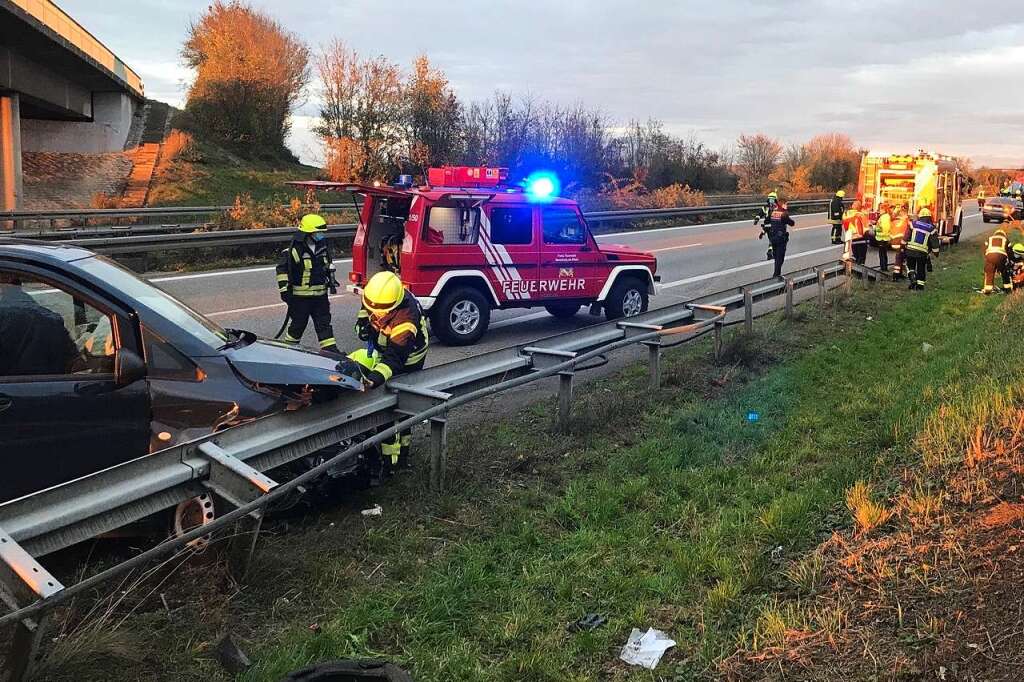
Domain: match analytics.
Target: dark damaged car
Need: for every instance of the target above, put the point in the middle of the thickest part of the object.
(98, 367)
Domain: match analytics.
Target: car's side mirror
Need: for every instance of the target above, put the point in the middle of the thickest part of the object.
(128, 367)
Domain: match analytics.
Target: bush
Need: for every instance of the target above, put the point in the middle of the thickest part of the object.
(249, 214)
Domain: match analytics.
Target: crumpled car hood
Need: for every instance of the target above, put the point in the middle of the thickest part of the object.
(272, 362)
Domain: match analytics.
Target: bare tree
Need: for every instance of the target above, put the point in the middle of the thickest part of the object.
(756, 158)
(362, 112)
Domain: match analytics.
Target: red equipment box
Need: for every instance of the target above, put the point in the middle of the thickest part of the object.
(466, 176)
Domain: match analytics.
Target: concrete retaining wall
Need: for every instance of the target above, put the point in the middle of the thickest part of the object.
(107, 132)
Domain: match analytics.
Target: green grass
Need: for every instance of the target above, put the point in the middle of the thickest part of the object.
(664, 510)
(676, 529)
(216, 176)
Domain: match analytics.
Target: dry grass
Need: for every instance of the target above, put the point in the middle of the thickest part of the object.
(867, 514)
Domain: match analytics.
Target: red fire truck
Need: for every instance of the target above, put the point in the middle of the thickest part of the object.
(467, 243)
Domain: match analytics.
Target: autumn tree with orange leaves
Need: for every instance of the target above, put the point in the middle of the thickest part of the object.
(250, 75)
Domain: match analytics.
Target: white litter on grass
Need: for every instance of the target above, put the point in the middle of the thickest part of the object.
(375, 510)
(927, 348)
(646, 649)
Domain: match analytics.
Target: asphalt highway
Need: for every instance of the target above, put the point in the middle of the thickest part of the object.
(693, 260)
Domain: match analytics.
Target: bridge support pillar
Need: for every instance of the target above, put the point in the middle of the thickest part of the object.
(10, 153)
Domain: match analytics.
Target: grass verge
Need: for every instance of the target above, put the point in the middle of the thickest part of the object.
(670, 509)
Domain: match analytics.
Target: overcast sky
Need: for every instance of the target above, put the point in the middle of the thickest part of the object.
(893, 74)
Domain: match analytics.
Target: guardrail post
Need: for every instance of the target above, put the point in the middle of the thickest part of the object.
(654, 363)
(748, 310)
(848, 285)
(25, 581)
(821, 288)
(789, 297)
(438, 453)
(718, 340)
(413, 400)
(564, 399)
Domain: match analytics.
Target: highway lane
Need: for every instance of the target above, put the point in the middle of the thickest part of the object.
(693, 260)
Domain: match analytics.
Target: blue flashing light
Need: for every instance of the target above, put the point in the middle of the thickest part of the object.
(542, 186)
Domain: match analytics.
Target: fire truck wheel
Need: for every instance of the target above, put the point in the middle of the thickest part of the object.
(562, 310)
(461, 317)
(627, 298)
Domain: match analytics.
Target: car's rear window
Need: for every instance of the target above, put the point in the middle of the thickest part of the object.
(451, 225)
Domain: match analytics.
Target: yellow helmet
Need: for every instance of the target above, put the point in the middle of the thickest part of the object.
(312, 223)
(1000, 231)
(841, 193)
(925, 212)
(773, 194)
(383, 293)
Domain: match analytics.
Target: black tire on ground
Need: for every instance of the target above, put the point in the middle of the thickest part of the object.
(984, 218)
(562, 310)
(627, 298)
(461, 316)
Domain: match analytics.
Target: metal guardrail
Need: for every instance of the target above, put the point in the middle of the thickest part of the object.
(145, 239)
(229, 463)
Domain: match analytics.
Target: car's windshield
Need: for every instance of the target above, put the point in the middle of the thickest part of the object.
(156, 299)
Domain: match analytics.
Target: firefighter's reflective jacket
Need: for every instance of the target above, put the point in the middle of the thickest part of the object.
(304, 268)
(399, 339)
(835, 210)
(918, 235)
(996, 244)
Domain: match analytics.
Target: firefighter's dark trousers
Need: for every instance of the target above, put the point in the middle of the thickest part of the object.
(779, 254)
(859, 247)
(917, 267)
(396, 453)
(837, 233)
(996, 262)
(883, 255)
(300, 309)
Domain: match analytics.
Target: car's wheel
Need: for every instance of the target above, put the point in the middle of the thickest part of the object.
(194, 513)
(461, 317)
(627, 298)
(562, 310)
(985, 218)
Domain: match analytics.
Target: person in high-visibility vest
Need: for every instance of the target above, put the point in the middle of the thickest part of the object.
(996, 261)
(1015, 264)
(835, 216)
(855, 227)
(900, 223)
(915, 242)
(883, 236)
(305, 276)
(981, 197)
(394, 326)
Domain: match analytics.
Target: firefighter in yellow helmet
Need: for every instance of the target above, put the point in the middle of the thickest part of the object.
(305, 275)
(996, 260)
(836, 208)
(394, 327)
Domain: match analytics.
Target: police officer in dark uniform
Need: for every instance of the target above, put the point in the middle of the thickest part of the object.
(778, 234)
(305, 275)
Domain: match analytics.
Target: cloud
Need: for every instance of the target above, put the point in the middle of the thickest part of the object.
(936, 74)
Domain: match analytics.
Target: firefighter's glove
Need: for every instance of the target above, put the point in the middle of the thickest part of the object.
(285, 296)
(760, 235)
(353, 370)
(363, 329)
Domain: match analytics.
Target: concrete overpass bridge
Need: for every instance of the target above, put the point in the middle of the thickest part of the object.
(61, 90)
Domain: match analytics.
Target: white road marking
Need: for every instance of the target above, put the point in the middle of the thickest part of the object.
(521, 318)
(674, 248)
(687, 227)
(268, 306)
(740, 268)
(222, 273)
